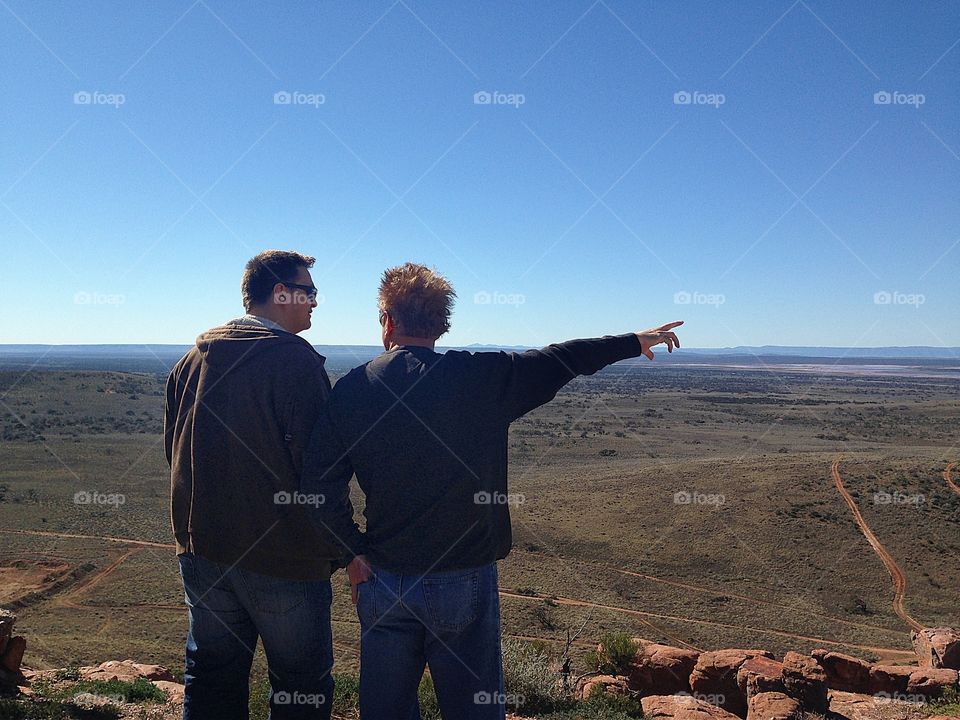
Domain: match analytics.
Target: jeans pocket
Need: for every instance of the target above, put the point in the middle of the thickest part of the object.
(367, 602)
(272, 595)
(452, 599)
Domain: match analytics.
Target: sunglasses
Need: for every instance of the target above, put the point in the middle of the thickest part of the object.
(309, 290)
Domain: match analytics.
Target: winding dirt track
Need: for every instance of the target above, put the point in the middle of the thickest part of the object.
(896, 574)
(950, 482)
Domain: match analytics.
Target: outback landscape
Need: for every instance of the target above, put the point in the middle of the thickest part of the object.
(789, 507)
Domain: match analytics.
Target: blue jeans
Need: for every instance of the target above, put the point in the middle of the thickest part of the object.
(229, 609)
(449, 621)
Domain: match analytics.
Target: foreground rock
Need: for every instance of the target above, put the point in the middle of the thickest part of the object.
(715, 676)
(600, 685)
(682, 707)
(859, 706)
(661, 669)
(937, 647)
(805, 681)
(931, 683)
(125, 670)
(12, 648)
(844, 672)
(773, 706)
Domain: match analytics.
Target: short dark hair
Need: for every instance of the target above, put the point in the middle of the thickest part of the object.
(419, 300)
(268, 268)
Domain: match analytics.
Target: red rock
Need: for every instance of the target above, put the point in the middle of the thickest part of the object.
(889, 679)
(937, 647)
(126, 670)
(682, 707)
(773, 706)
(173, 690)
(844, 672)
(715, 674)
(760, 675)
(805, 681)
(601, 684)
(661, 669)
(931, 682)
(858, 706)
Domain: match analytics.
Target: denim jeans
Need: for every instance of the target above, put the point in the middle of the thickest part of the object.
(229, 609)
(449, 621)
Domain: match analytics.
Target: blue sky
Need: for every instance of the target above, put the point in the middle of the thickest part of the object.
(146, 155)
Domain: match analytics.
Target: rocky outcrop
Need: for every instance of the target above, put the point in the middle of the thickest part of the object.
(126, 670)
(661, 669)
(931, 682)
(806, 682)
(715, 676)
(937, 647)
(12, 648)
(773, 706)
(844, 672)
(592, 685)
(682, 707)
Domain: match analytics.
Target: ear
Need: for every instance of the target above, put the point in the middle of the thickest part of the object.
(280, 296)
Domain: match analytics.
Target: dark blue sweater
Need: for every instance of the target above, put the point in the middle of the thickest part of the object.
(426, 435)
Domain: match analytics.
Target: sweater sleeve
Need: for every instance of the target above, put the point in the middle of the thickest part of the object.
(326, 472)
(532, 378)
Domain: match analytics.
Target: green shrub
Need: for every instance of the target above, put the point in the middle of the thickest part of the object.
(529, 678)
(617, 650)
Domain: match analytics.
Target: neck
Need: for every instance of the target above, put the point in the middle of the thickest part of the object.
(268, 312)
(398, 340)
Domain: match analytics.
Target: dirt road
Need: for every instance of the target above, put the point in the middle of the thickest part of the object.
(896, 574)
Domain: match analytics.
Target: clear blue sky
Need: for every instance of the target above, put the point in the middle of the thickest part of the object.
(589, 208)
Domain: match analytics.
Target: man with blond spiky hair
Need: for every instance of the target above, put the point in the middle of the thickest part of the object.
(426, 435)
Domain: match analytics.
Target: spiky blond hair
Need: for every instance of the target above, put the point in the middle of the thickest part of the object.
(419, 300)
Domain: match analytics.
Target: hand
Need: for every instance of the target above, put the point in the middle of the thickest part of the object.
(359, 572)
(655, 336)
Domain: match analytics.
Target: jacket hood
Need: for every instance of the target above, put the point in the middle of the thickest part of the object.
(229, 346)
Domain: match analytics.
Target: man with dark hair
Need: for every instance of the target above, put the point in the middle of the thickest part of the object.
(240, 407)
(426, 435)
